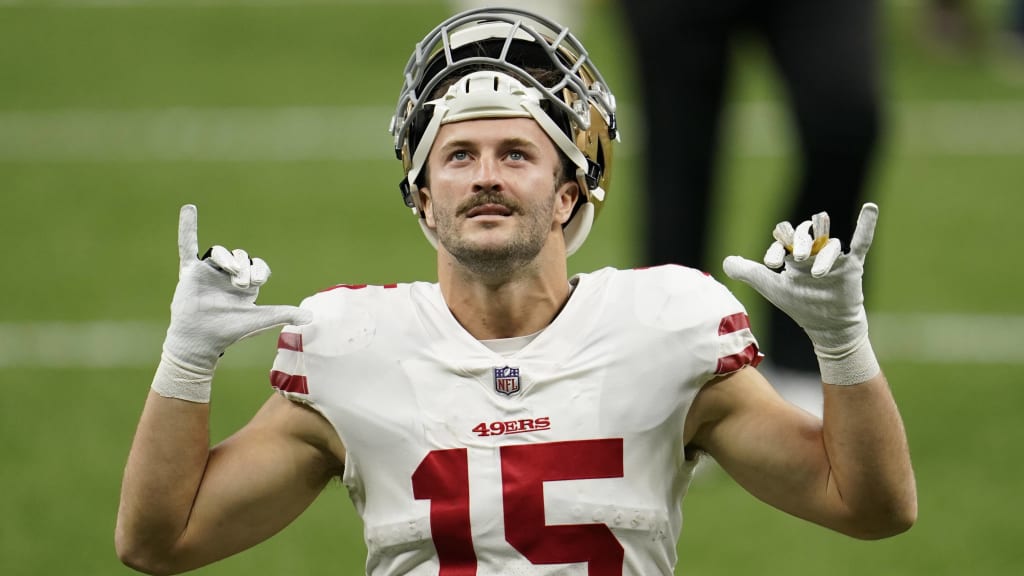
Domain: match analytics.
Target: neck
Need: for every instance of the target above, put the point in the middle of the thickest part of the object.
(522, 302)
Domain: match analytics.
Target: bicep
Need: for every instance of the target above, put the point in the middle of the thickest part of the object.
(260, 479)
(773, 449)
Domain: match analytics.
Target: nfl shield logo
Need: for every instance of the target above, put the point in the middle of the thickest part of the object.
(506, 380)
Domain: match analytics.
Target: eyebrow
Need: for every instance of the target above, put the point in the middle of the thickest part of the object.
(505, 143)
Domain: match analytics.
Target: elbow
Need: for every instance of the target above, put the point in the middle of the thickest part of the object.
(141, 561)
(136, 554)
(907, 516)
(886, 529)
(886, 523)
(904, 518)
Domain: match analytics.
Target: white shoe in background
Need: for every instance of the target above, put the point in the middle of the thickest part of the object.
(798, 387)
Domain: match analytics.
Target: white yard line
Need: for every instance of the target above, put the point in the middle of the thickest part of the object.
(941, 128)
(107, 344)
(913, 338)
(195, 134)
(914, 128)
(949, 338)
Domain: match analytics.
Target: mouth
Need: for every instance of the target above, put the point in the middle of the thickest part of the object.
(489, 210)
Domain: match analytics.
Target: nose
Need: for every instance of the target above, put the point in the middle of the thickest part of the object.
(488, 174)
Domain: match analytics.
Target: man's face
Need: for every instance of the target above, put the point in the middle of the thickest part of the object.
(493, 196)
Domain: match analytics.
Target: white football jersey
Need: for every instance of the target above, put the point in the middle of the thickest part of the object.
(565, 457)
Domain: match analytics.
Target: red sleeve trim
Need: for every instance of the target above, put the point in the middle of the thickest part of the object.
(357, 286)
(289, 382)
(734, 362)
(290, 341)
(733, 323)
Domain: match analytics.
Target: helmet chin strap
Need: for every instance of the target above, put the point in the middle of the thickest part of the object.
(578, 228)
(493, 94)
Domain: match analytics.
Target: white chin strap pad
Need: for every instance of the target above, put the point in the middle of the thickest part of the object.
(431, 236)
(577, 229)
(493, 94)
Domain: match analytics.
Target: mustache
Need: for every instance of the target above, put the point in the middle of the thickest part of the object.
(485, 198)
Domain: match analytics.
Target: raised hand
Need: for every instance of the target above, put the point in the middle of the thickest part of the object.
(819, 286)
(214, 307)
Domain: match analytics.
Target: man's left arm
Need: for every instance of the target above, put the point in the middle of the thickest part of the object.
(850, 471)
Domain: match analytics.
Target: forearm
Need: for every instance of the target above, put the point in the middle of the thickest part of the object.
(165, 467)
(869, 458)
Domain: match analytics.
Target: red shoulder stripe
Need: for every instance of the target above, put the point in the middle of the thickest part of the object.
(734, 362)
(356, 286)
(749, 355)
(289, 382)
(290, 341)
(733, 323)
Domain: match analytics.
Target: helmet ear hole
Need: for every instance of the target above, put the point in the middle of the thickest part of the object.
(559, 117)
(418, 121)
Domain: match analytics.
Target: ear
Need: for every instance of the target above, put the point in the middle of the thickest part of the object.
(426, 205)
(567, 195)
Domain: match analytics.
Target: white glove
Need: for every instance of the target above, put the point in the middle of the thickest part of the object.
(213, 307)
(821, 289)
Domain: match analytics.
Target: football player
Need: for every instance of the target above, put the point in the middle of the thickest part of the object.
(509, 419)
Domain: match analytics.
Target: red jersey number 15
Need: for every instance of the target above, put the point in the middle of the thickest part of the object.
(443, 478)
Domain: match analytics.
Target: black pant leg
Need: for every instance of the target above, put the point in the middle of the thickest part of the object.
(827, 55)
(681, 50)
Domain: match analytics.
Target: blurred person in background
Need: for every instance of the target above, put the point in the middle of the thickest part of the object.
(826, 55)
(509, 419)
(1016, 27)
(950, 27)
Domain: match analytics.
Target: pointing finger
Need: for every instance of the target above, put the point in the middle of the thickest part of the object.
(188, 234)
(865, 231)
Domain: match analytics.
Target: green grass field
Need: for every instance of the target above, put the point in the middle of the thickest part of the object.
(271, 116)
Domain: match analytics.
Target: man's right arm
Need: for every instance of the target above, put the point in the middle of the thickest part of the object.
(185, 505)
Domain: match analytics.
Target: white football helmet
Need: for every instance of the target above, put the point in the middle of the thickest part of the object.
(493, 51)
